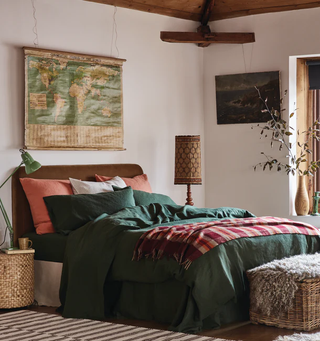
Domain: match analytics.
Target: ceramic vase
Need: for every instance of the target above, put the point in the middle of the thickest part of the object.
(302, 198)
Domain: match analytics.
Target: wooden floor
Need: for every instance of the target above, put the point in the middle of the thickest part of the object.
(239, 331)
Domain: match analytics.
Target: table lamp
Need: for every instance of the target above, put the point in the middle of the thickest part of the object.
(188, 163)
(30, 166)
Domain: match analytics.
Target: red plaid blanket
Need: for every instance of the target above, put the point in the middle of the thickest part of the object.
(187, 242)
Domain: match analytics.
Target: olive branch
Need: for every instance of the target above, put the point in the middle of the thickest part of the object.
(280, 131)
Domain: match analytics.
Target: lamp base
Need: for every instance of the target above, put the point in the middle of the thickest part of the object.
(189, 198)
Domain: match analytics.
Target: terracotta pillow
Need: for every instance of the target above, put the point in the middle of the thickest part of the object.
(36, 190)
(139, 182)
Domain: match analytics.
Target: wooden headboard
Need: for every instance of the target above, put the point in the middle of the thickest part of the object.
(21, 215)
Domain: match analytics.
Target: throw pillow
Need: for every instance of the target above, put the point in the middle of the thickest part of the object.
(35, 190)
(91, 187)
(69, 212)
(139, 182)
(144, 198)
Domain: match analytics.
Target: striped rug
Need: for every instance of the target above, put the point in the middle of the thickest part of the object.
(25, 325)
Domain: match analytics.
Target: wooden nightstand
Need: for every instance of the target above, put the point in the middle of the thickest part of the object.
(16, 280)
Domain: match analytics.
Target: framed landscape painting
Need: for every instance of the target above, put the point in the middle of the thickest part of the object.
(238, 100)
(72, 101)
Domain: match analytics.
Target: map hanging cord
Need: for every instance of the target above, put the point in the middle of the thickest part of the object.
(115, 29)
(35, 28)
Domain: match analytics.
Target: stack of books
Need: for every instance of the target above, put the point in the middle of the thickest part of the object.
(14, 251)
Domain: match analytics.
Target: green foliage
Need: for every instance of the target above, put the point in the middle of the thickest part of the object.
(278, 130)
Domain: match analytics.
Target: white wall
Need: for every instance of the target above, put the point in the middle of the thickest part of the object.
(169, 89)
(163, 85)
(233, 150)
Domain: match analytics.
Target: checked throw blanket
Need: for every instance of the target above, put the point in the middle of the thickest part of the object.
(187, 242)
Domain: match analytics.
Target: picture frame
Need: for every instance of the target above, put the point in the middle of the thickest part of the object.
(238, 100)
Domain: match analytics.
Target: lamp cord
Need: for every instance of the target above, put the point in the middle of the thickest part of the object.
(5, 216)
(4, 238)
(4, 213)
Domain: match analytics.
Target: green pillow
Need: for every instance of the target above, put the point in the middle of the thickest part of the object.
(69, 212)
(145, 198)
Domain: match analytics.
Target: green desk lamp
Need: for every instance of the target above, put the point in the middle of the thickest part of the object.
(30, 166)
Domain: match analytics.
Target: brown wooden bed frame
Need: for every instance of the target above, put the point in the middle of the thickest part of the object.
(21, 215)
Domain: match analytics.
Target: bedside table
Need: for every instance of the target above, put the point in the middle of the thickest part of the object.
(16, 280)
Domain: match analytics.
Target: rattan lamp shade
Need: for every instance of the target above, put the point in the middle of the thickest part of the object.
(188, 160)
(188, 163)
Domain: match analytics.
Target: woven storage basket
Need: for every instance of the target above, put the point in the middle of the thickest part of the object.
(16, 280)
(305, 312)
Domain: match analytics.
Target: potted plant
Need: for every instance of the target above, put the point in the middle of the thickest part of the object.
(278, 130)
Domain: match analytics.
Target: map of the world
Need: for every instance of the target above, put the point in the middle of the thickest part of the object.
(73, 93)
(70, 90)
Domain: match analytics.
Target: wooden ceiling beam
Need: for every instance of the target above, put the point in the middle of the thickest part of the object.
(224, 13)
(205, 38)
(204, 30)
(151, 8)
(197, 10)
(207, 12)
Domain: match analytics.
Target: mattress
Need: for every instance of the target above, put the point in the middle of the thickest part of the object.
(49, 247)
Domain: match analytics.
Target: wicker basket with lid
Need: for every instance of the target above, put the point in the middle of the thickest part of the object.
(304, 315)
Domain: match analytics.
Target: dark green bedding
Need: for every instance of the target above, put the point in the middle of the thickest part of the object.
(49, 247)
(100, 279)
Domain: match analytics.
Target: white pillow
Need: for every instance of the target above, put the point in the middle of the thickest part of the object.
(92, 187)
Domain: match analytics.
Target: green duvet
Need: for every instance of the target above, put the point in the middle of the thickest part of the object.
(99, 278)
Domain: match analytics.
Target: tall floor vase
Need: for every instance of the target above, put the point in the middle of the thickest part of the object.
(302, 198)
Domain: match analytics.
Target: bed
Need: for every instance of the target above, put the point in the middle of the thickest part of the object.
(100, 278)
(50, 248)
